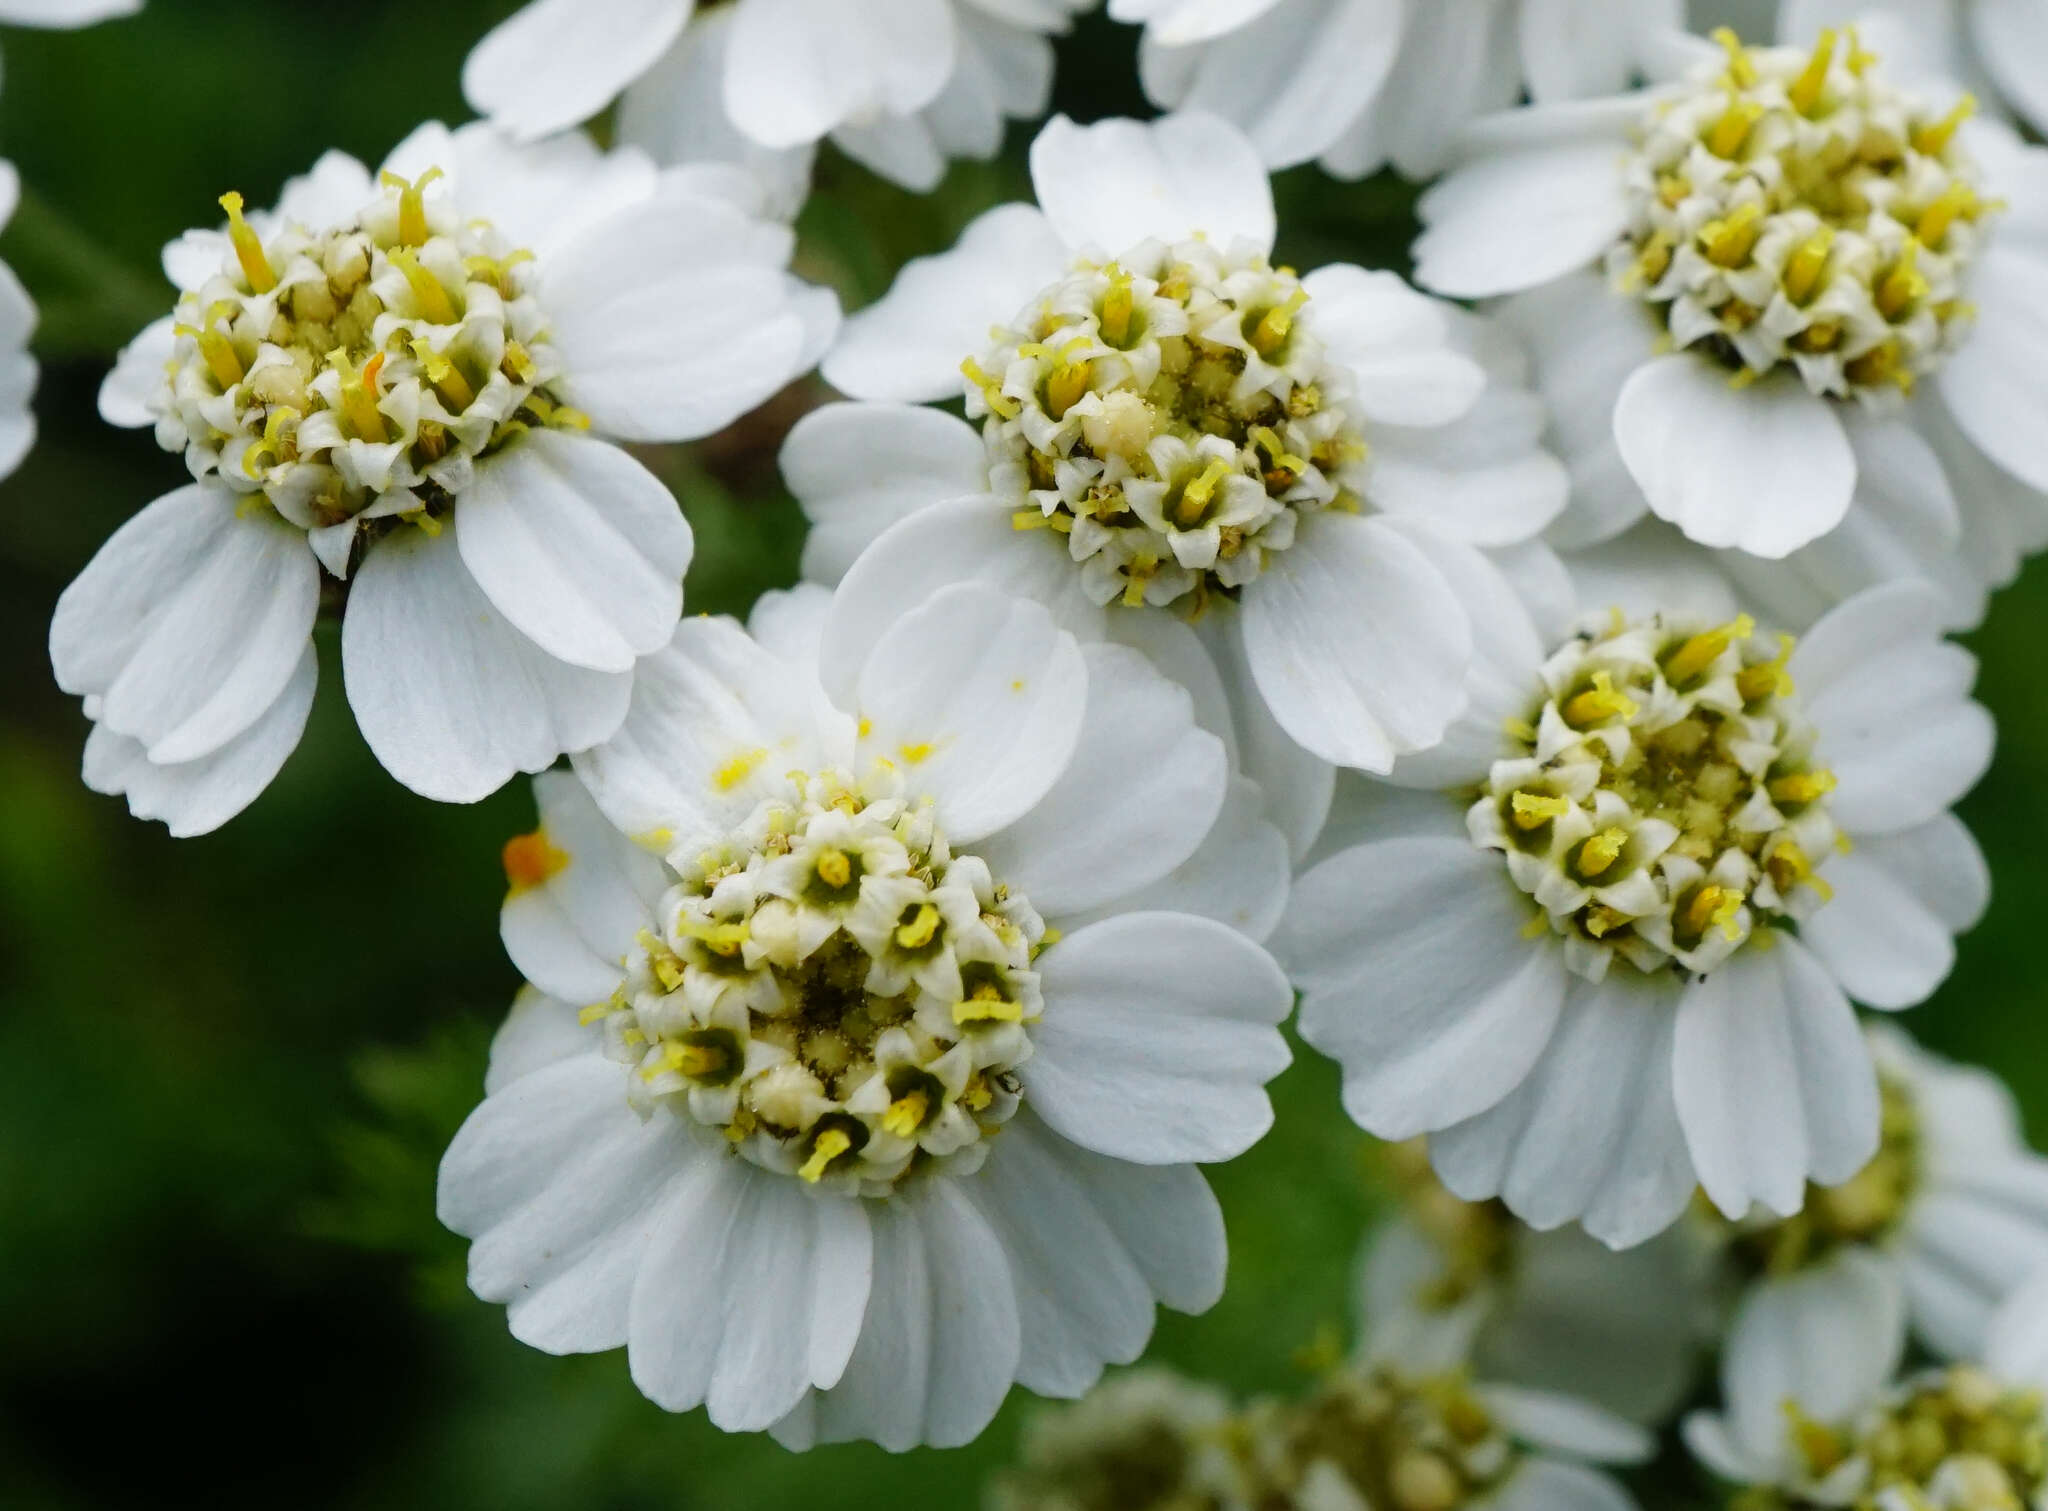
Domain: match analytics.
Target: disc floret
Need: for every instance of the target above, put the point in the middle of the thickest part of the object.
(1797, 211)
(1171, 415)
(835, 991)
(1663, 805)
(358, 373)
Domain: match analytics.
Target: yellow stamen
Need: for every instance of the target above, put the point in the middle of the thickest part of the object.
(1117, 307)
(1598, 703)
(1274, 327)
(1729, 242)
(531, 859)
(413, 230)
(1805, 90)
(1709, 906)
(1741, 72)
(1905, 284)
(719, 938)
(1808, 261)
(986, 1004)
(1136, 576)
(1933, 139)
(1821, 1446)
(1532, 810)
(1767, 678)
(1068, 383)
(694, 1060)
(906, 1114)
(1789, 867)
(248, 247)
(1692, 659)
(832, 1143)
(1802, 786)
(274, 443)
(1194, 499)
(1728, 134)
(1030, 519)
(834, 869)
(434, 303)
(222, 360)
(1598, 854)
(992, 394)
(359, 395)
(1281, 458)
(1957, 201)
(447, 378)
(921, 930)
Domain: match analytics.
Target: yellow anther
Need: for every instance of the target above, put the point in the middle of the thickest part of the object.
(1802, 786)
(531, 859)
(1859, 58)
(987, 1004)
(1519, 729)
(921, 930)
(1598, 703)
(1532, 810)
(1136, 575)
(1672, 190)
(1117, 307)
(834, 868)
(737, 769)
(1281, 459)
(1537, 926)
(248, 247)
(1195, 498)
(1767, 678)
(719, 938)
(359, 395)
(1598, 854)
(447, 378)
(274, 442)
(596, 1013)
(1933, 139)
(434, 303)
(1819, 1445)
(413, 230)
(1729, 242)
(907, 1114)
(1957, 202)
(1728, 134)
(518, 364)
(1651, 263)
(1806, 89)
(832, 1143)
(1600, 920)
(992, 394)
(1030, 519)
(1741, 71)
(1809, 260)
(1710, 906)
(668, 971)
(222, 360)
(1904, 285)
(694, 1060)
(1277, 324)
(1789, 867)
(1067, 385)
(1692, 659)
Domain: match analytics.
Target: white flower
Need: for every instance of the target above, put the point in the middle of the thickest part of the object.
(889, 1098)
(393, 387)
(1361, 84)
(63, 13)
(900, 85)
(1304, 466)
(1813, 1412)
(18, 369)
(1999, 47)
(1446, 1283)
(1955, 1201)
(1610, 957)
(1785, 305)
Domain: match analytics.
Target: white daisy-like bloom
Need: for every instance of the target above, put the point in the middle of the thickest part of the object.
(1445, 1283)
(1359, 85)
(1955, 1202)
(1372, 1436)
(1814, 1413)
(402, 391)
(899, 85)
(1785, 304)
(1170, 425)
(1609, 955)
(892, 1079)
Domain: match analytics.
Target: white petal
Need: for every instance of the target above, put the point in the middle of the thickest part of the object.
(793, 1278)
(796, 69)
(791, 623)
(1886, 946)
(1237, 876)
(1940, 865)
(1297, 784)
(1763, 469)
(979, 698)
(1117, 183)
(451, 698)
(1540, 1484)
(673, 318)
(1774, 1082)
(909, 344)
(570, 932)
(715, 725)
(1396, 344)
(539, 1031)
(1357, 643)
(579, 546)
(1593, 1134)
(859, 468)
(197, 797)
(138, 376)
(189, 622)
(1417, 978)
(1992, 384)
(539, 194)
(1513, 220)
(2018, 1351)
(1143, 788)
(1563, 1424)
(1158, 1039)
(2012, 39)
(1177, 23)
(1573, 49)
(939, 1344)
(558, 62)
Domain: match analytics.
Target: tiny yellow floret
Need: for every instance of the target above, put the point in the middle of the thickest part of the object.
(832, 1143)
(248, 246)
(907, 1114)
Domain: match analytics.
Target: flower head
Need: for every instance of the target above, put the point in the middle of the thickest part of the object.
(1625, 970)
(891, 1042)
(400, 393)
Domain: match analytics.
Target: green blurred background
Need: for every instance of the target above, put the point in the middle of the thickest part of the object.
(228, 1066)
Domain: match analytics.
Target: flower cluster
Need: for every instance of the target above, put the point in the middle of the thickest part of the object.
(1549, 692)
